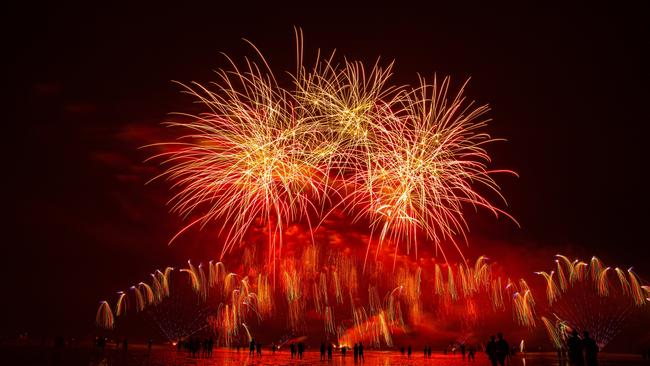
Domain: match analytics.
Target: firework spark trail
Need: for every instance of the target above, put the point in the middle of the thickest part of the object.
(557, 331)
(120, 307)
(139, 299)
(156, 289)
(523, 302)
(564, 265)
(636, 288)
(147, 293)
(524, 309)
(561, 277)
(104, 317)
(497, 295)
(552, 291)
(624, 283)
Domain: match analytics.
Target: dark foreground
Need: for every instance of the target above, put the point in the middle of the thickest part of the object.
(166, 356)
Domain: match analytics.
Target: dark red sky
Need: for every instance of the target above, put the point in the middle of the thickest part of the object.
(88, 85)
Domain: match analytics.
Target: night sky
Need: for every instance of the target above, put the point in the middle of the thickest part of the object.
(88, 86)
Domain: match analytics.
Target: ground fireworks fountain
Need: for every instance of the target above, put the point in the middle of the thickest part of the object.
(589, 297)
(318, 287)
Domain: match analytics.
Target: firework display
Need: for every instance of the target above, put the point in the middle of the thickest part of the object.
(281, 166)
(407, 160)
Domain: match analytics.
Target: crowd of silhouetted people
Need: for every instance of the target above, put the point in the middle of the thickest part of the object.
(297, 350)
(580, 351)
(498, 350)
(196, 347)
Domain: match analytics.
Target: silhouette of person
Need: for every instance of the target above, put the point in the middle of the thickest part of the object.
(292, 348)
(429, 352)
(503, 349)
(402, 350)
(591, 349)
(409, 351)
(491, 350)
(301, 349)
(258, 346)
(330, 350)
(355, 350)
(322, 351)
(462, 350)
(361, 352)
(574, 344)
(470, 353)
(344, 350)
(251, 348)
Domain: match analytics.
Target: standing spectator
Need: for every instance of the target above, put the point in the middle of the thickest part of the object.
(363, 359)
(574, 344)
(322, 351)
(591, 350)
(491, 350)
(251, 348)
(503, 349)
